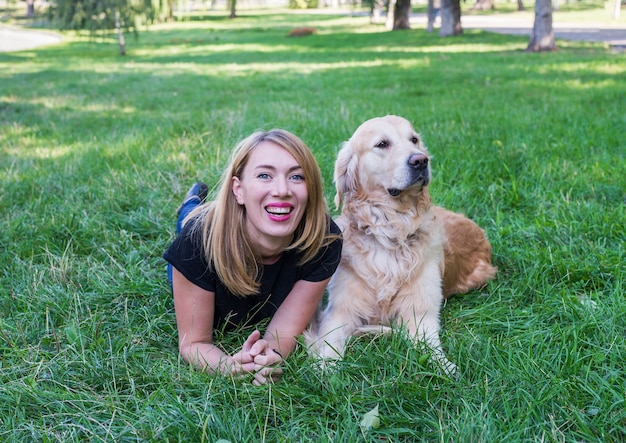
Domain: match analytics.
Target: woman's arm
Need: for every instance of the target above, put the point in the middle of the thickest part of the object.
(289, 321)
(194, 308)
(294, 315)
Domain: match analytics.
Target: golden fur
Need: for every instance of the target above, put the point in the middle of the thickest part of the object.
(401, 255)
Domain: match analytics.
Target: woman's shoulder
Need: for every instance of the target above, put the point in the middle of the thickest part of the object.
(334, 240)
(327, 258)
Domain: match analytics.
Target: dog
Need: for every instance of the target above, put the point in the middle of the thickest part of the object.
(401, 254)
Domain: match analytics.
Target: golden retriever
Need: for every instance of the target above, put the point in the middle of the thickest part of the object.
(401, 255)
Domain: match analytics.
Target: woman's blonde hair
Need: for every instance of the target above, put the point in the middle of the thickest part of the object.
(221, 222)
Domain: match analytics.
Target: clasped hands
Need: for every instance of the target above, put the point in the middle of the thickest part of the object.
(258, 358)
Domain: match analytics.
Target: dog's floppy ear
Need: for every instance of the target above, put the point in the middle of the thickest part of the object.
(346, 179)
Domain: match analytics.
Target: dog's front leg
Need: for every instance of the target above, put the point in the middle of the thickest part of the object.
(427, 330)
(421, 320)
(334, 330)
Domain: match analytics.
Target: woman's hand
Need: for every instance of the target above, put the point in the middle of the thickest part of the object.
(244, 358)
(267, 367)
(257, 357)
(267, 374)
(267, 361)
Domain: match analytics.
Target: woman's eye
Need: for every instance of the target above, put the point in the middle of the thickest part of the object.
(263, 176)
(297, 177)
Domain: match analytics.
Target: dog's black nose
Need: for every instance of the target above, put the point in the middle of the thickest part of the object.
(418, 161)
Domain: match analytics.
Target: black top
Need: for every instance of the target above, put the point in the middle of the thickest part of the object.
(186, 254)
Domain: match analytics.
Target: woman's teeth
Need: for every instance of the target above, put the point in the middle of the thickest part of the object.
(275, 210)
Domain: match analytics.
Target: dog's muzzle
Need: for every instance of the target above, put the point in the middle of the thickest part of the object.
(419, 173)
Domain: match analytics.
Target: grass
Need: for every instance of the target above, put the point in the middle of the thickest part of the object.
(97, 150)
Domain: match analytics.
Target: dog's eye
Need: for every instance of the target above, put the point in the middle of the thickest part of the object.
(382, 144)
(415, 140)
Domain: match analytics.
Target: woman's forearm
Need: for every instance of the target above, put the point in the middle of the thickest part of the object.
(208, 357)
(294, 315)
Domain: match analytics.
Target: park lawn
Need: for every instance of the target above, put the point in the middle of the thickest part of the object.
(97, 150)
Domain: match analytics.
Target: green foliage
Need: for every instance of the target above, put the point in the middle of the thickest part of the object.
(98, 15)
(96, 153)
(304, 4)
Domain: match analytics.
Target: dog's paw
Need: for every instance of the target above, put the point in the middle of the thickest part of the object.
(449, 368)
(442, 362)
(327, 366)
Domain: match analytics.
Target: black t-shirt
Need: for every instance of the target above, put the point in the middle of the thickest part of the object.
(186, 254)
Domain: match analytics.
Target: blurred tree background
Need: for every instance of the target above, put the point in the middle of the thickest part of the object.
(127, 16)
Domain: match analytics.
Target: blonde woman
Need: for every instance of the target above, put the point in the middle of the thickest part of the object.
(264, 248)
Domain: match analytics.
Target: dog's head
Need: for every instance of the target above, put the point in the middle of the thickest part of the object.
(384, 155)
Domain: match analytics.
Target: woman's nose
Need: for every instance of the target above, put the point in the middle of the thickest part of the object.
(281, 186)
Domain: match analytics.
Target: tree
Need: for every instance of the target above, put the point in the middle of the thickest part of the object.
(542, 37)
(30, 8)
(434, 6)
(616, 10)
(399, 15)
(376, 9)
(120, 33)
(450, 18)
(103, 15)
(430, 14)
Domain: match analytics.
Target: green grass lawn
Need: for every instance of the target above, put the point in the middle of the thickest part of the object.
(96, 151)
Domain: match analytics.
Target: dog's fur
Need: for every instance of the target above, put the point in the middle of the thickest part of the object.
(401, 254)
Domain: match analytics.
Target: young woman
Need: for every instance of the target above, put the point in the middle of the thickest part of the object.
(265, 248)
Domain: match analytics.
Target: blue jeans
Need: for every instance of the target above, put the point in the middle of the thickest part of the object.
(185, 209)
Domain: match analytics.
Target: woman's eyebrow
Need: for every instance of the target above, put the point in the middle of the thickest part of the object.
(273, 168)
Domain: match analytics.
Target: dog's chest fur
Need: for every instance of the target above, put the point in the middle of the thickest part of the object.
(392, 247)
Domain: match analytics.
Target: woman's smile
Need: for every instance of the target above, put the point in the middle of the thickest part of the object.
(279, 211)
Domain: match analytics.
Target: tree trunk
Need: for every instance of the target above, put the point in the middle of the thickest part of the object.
(618, 7)
(120, 33)
(450, 18)
(390, 14)
(30, 8)
(233, 8)
(170, 10)
(520, 5)
(402, 14)
(542, 37)
(376, 11)
(430, 26)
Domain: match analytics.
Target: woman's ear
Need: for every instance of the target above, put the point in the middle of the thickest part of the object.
(237, 191)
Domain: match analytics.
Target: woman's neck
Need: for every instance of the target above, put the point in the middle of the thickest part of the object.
(270, 251)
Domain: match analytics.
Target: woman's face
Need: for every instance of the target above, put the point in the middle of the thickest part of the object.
(273, 190)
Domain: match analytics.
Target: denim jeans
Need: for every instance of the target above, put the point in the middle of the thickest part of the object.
(185, 209)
